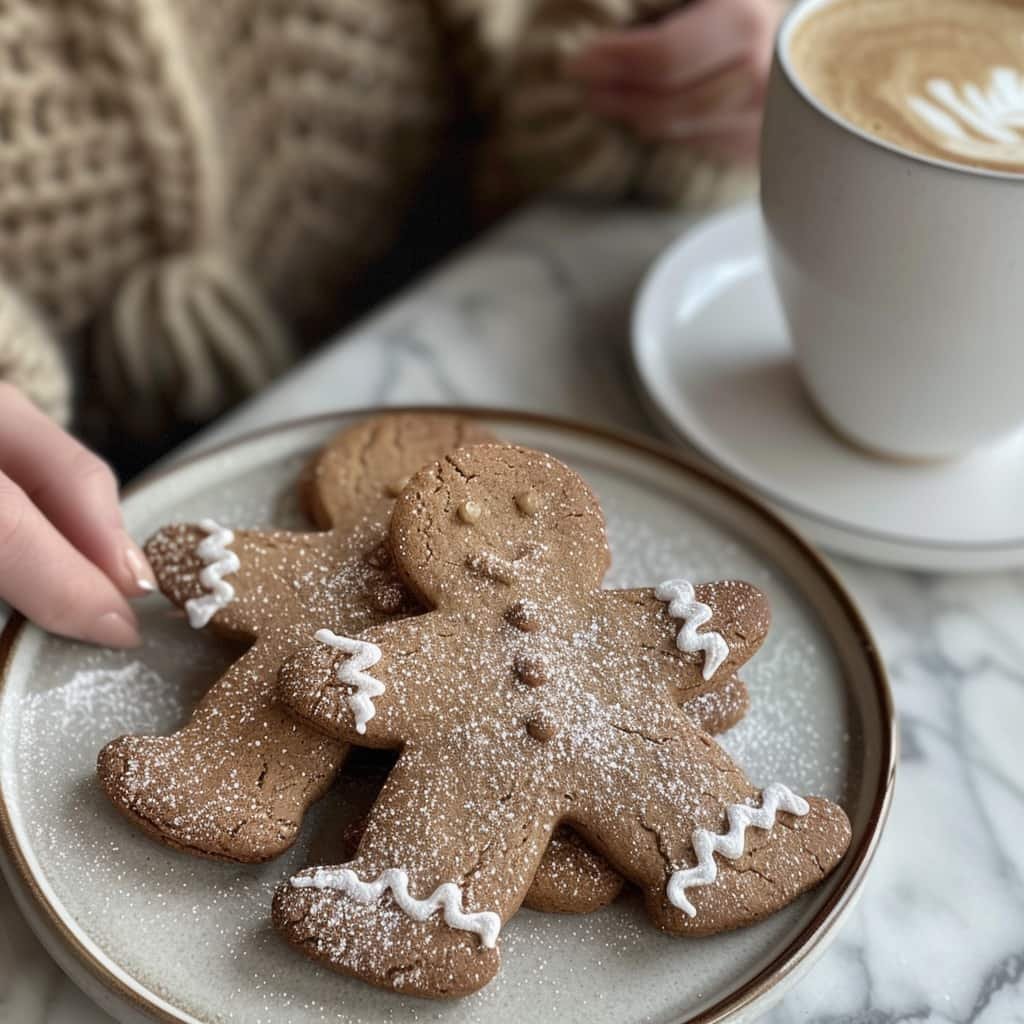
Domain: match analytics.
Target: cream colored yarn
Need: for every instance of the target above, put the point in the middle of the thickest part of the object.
(329, 112)
(29, 356)
(544, 139)
(113, 207)
(188, 186)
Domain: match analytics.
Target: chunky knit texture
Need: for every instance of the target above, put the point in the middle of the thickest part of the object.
(29, 356)
(542, 137)
(188, 187)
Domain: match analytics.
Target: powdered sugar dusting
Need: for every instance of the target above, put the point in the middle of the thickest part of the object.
(196, 931)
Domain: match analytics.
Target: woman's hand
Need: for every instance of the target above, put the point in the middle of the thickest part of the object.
(66, 561)
(699, 74)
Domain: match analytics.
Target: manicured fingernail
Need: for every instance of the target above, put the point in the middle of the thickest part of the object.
(114, 630)
(139, 572)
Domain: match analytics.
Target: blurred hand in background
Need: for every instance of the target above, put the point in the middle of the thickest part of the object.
(697, 75)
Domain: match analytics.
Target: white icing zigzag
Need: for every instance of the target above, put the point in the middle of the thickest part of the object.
(684, 605)
(219, 562)
(448, 897)
(352, 671)
(774, 798)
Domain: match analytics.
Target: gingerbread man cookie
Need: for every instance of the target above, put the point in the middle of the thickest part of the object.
(527, 698)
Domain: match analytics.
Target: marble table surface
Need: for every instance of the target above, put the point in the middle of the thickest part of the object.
(535, 316)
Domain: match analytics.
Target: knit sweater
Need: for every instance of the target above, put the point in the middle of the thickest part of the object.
(188, 189)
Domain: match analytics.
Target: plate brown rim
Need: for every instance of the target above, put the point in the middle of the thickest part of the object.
(856, 861)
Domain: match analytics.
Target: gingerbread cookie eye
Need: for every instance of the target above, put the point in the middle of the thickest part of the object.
(528, 502)
(470, 512)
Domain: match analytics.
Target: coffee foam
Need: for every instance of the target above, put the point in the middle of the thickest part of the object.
(942, 78)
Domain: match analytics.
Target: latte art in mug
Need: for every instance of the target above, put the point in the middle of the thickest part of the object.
(941, 78)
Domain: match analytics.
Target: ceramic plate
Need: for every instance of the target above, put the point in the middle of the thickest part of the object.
(153, 933)
(712, 355)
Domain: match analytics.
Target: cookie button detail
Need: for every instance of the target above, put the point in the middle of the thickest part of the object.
(531, 669)
(525, 616)
(388, 598)
(528, 502)
(542, 727)
(470, 512)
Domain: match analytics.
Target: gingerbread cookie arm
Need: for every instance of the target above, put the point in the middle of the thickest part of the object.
(710, 850)
(719, 708)
(231, 578)
(705, 632)
(362, 689)
(445, 860)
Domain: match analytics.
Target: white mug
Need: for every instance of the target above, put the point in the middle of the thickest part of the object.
(901, 277)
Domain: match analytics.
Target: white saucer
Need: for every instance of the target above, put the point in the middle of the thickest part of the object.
(712, 355)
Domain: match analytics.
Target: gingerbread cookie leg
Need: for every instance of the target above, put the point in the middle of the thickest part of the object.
(444, 861)
(711, 851)
(234, 782)
(574, 879)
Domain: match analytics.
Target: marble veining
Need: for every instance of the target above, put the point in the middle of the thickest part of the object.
(535, 316)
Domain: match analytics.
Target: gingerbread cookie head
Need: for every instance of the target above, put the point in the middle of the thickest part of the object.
(362, 470)
(499, 526)
(527, 700)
